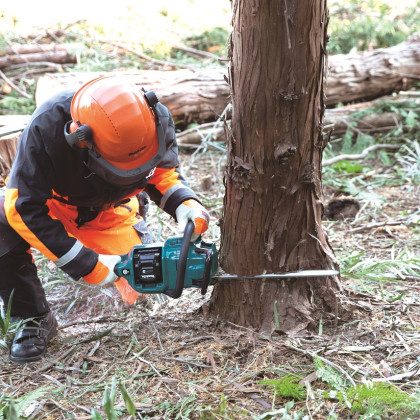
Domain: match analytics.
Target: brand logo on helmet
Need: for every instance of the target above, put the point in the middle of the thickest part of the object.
(137, 151)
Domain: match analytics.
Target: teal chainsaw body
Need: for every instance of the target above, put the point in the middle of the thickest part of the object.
(171, 266)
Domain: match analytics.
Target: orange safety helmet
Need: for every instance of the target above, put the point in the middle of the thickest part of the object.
(119, 125)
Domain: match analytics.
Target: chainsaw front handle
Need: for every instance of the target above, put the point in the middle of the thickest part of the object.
(182, 262)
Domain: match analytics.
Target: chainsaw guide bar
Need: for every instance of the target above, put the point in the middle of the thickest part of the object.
(294, 274)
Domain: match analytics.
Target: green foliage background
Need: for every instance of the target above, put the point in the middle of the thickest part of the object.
(365, 25)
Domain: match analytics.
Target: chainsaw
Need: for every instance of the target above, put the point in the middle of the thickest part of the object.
(171, 266)
(178, 263)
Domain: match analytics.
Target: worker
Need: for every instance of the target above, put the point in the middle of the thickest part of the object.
(82, 163)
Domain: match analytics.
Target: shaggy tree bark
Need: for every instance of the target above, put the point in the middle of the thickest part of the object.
(272, 205)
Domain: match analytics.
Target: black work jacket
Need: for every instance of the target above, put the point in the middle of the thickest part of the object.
(46, 167)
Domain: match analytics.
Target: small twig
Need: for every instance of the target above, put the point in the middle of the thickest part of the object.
(144, 56)
(55, 361)
(187, 361)
(375, 225)
(194, 51)
(402, 341)
(191, 342)
(55, 66)
(360, 155)
(54, 36)
(397, 378)
(150, 364)
(328, 362)
(96, 337)
(8, 81)
(206, 141)
(90, 321)
(196, 128)
(409, 93)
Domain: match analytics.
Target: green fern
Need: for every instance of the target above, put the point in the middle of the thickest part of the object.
(329, 375)
(12, 408)
(287, 386)
(396, 267)
(381, 399)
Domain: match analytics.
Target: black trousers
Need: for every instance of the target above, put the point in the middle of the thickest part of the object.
(18, 273)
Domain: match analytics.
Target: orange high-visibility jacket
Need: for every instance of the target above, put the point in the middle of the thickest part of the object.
(47, 168)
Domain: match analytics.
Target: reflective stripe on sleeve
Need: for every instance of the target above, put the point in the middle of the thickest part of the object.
(171, 191)
(70, 255)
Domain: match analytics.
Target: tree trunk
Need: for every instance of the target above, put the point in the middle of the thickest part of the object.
(272, 206)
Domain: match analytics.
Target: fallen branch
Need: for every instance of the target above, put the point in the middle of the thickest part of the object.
(360, 155)
(397, 378)
(375, 225)
(195, 52)
(12, 85)
(144, 56)
(193, 137)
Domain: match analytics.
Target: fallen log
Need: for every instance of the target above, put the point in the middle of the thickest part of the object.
(53, 53)
(20, 49)
(8, 147)
(339, 120)
(191, 96)
(336, 120)
(363, 76)
(199, 96)
(10, 130)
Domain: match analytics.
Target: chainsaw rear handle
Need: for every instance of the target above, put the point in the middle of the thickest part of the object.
(182, 262)
(205, 281)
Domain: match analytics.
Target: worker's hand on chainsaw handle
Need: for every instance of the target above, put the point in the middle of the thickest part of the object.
(103, 273)
(192, 210)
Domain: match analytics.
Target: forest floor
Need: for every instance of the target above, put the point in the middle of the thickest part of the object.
(165, 359)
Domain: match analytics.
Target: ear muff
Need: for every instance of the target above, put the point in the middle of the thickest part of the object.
(82, 134)
(151, 98)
